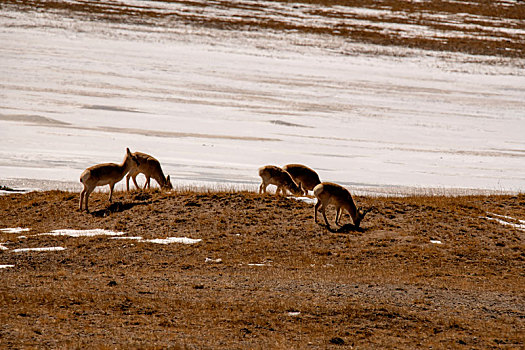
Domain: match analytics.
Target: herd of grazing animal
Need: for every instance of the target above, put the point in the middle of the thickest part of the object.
(298, 179)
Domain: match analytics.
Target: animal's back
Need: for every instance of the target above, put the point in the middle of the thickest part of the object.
(332, 192)
(147, 163)
(145, 157)
(100, 174)
(272, 172)
(303, 174)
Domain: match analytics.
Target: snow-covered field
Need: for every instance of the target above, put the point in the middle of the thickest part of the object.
(214, 105)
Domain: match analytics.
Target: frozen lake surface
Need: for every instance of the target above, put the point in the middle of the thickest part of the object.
(214, 105)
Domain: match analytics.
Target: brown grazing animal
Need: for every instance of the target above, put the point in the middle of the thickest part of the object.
(105, 174)
(329, 193)
(150, 167)
(273, 175)
(303, 176)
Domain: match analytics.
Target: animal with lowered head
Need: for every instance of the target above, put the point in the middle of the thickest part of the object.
(330, 193)
(273, 175)
(150, 167)
(305, 177)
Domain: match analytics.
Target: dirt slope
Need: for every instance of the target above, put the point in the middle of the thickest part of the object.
(282, 281)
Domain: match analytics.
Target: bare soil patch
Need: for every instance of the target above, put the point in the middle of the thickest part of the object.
(264, 275)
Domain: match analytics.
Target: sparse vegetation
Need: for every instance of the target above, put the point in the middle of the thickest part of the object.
(264, 275)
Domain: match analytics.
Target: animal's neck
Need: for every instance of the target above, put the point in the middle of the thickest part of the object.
(124, 167)
(159, 177)
(352, 209)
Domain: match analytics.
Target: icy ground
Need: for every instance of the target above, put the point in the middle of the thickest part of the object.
(214, 107)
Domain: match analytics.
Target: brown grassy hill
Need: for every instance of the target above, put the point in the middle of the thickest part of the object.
(264, 275)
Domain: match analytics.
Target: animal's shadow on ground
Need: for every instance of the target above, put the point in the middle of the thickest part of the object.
(346, 228)
(117, 207)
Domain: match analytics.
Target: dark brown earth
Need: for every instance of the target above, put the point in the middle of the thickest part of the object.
(493, 27)
(385, 286)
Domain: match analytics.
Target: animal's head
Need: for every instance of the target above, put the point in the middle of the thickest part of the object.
(295, 189)
(360, 216)
(167, 185)
(134, 159)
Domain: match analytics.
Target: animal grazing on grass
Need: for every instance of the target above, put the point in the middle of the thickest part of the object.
(273, 175)
(150, 167)
(105, 174)
(330, 193)
(303, 176)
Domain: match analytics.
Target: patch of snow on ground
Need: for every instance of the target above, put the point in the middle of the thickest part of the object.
(508, 218)
(43, 249)
(14, 229)
(83, 233)
(520, 227)
(304, 199)
(2, 247)
(168, 240)
(435, 241)
(87, 89)
(6, 266)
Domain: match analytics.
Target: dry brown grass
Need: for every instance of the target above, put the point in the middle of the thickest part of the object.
(384, 286)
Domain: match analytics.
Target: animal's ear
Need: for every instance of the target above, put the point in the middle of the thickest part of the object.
(133, 157)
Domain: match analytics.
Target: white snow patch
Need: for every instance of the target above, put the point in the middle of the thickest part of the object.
(508, 218)
(2, 247)
(14, 229)
(227, 89)
(83, 233)
(435, 241)
(520, 227)
(256, 264)
(6, 266)
(294, 313)
(136, 238)
(168, 240)
(216, 261)
(43, 249)
(305, 199)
